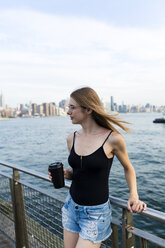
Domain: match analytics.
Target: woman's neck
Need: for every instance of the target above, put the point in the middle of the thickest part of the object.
(90, 127)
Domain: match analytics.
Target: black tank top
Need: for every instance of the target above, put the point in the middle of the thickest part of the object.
(90, 176)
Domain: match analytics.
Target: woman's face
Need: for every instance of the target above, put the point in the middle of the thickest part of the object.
(76, 112)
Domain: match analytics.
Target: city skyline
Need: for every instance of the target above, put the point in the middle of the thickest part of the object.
(50, 109)
(47, 49)
(111, 99)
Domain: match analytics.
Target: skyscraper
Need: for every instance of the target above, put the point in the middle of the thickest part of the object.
(112, 104)
(46, 109)
(34, 108)
(2, 101)
(50, 109)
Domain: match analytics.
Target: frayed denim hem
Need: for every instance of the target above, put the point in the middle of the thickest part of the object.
(67, 229)
(97, 241)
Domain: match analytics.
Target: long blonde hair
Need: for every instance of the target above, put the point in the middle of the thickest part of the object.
(88, 98)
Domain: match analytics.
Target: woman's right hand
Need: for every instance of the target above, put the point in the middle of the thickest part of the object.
(50, 177)
(66, 174)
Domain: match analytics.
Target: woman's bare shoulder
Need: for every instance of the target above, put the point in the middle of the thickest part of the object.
(116, 135)
(69, 141)
(70, 137)
(116, 139)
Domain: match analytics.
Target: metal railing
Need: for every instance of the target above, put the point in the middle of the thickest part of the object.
(30, 215)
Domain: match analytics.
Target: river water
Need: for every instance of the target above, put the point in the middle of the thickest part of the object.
(37, 142)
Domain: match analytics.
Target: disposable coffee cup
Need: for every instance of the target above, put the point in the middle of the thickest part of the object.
(57, 173)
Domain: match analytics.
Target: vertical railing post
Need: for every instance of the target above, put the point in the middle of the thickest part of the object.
(128, 239)
(143, 243)
(114, 236)
(19, 212)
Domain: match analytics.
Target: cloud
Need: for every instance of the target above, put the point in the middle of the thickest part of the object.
(43, 49)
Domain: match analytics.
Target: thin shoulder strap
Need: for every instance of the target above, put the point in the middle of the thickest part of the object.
(74, 136)
(107, 137)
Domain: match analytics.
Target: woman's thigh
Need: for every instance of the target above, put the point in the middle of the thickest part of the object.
(70, 239)
(83, 243)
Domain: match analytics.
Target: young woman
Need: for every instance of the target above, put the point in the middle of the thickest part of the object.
(86, 214)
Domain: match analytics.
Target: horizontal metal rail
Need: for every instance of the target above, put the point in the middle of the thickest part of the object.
(151, 213)
(25, 170)
(145, 235)
(129, 232)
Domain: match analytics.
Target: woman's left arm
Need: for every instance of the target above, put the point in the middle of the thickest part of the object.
(119, 149)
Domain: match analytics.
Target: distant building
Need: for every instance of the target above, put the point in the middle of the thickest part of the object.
(154, 108)
(50, 109)
(60, 112)
(120, 109)
(112, 104)
(40, 109)
(34, 108)
(2, 101)
(134, 109)
(53, 110)
(54, 104)
(142, 109)
(147, 105)
(20, 107)
(115, 107)
(8, 112)
(63, 103)
(46, 109)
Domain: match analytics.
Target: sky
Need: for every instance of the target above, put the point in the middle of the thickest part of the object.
(50, 48)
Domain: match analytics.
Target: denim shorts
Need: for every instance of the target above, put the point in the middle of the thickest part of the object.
(91, 222)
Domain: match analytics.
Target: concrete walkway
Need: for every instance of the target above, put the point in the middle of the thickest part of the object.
(4, 242)
(7, 233)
